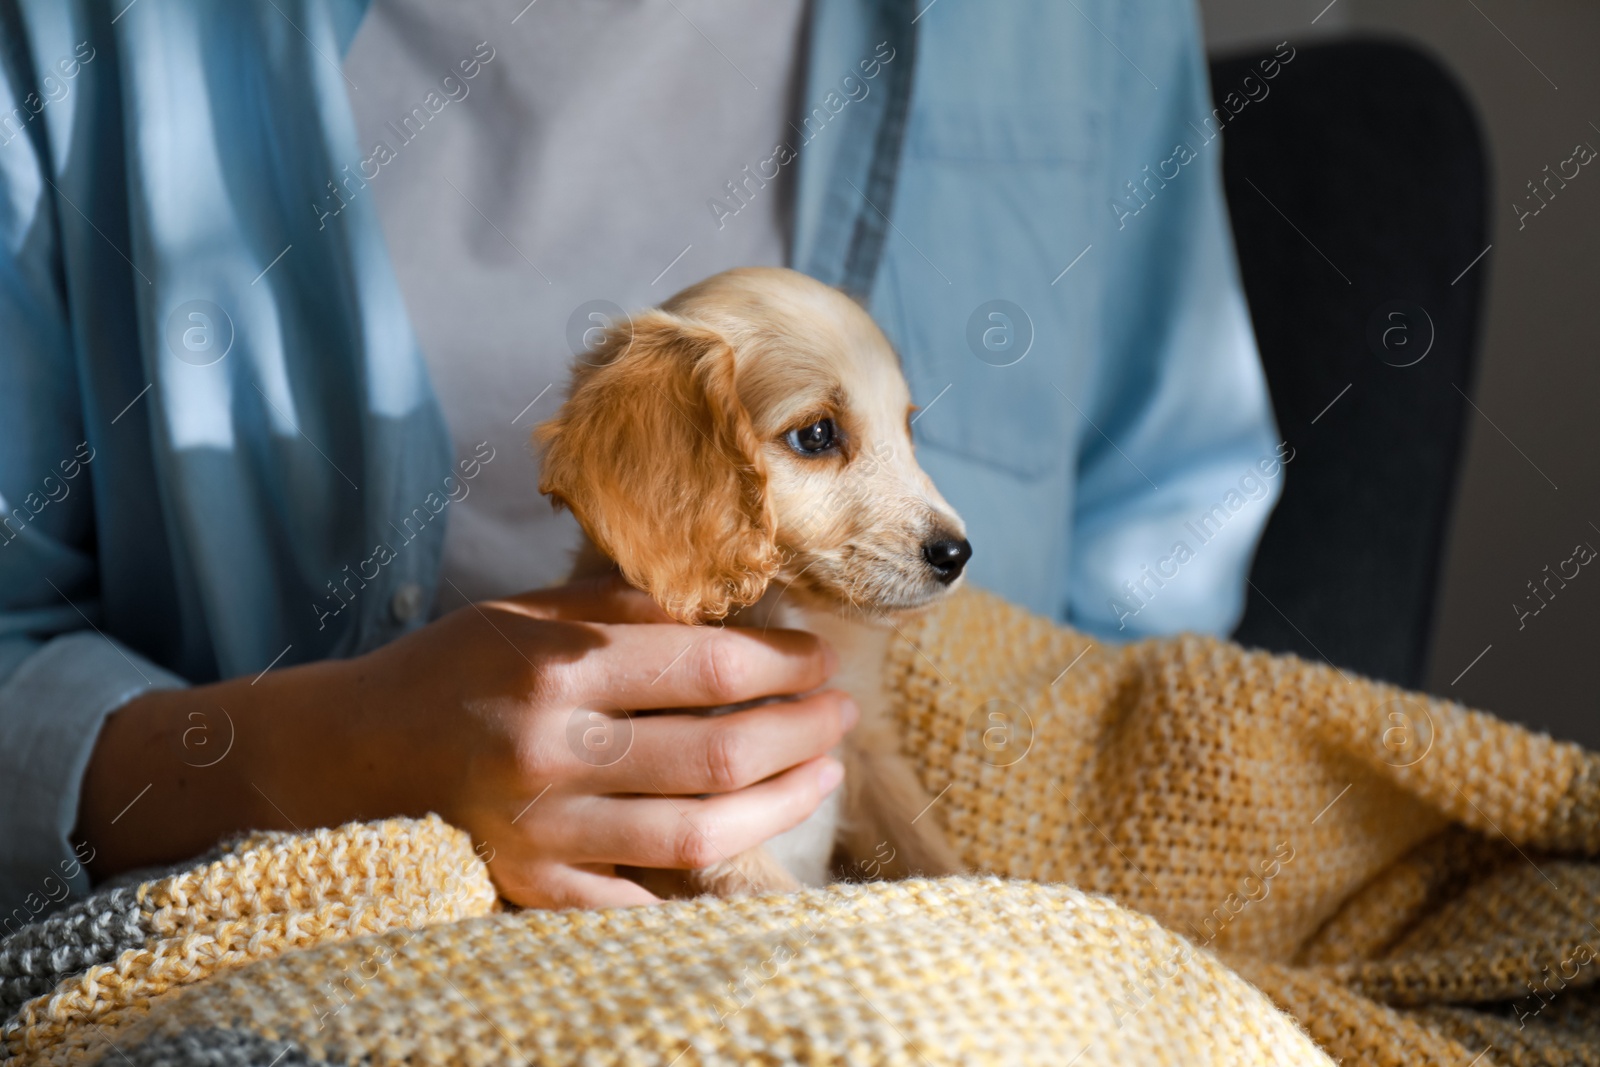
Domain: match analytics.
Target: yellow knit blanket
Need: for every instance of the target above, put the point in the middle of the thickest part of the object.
(1412, 882)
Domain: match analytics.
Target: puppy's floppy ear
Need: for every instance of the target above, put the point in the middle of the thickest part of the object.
(656, 457)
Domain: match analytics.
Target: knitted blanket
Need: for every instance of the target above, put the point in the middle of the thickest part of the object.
(1188, 849)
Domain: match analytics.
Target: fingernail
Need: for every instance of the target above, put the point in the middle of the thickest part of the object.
(829, 777)
(849, 713)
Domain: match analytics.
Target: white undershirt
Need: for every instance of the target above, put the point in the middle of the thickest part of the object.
(582, 156)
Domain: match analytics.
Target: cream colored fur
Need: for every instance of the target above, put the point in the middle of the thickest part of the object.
(673, 451)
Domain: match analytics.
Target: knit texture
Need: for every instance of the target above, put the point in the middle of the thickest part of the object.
(954, 971)
(1413, 881)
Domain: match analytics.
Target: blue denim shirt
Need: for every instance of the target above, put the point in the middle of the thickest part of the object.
(213, 403)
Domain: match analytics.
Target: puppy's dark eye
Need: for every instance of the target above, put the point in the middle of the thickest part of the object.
(821, 436)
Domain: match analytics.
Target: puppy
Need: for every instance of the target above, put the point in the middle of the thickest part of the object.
(743, 454)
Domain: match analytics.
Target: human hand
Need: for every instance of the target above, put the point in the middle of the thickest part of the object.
(517, 748)
(482, 717)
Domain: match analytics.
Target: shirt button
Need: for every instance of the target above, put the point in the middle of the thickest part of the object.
(406, 604)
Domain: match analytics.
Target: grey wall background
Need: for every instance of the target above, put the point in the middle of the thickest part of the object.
(1528, 494)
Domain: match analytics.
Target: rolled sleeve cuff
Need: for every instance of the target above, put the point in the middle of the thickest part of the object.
(51, 710)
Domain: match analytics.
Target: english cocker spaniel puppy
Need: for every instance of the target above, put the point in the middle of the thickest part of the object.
(743, 454)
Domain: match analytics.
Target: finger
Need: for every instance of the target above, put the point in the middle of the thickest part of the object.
(673, 666)
(683, 833)
(557, 886)
(691, 755)
(604, 598)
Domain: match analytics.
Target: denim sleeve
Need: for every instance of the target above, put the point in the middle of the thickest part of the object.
(52, 706)
(1173, 489)
(59, 678)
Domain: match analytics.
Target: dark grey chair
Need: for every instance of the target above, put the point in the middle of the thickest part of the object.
(1358, 190)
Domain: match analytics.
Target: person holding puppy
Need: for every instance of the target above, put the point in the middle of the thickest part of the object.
(286, 289)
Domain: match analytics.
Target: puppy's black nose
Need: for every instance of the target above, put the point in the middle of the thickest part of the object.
(947, 557)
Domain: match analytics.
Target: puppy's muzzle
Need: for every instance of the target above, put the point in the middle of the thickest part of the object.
(947, 556)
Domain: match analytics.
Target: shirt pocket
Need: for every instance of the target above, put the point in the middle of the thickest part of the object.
(992, 205)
